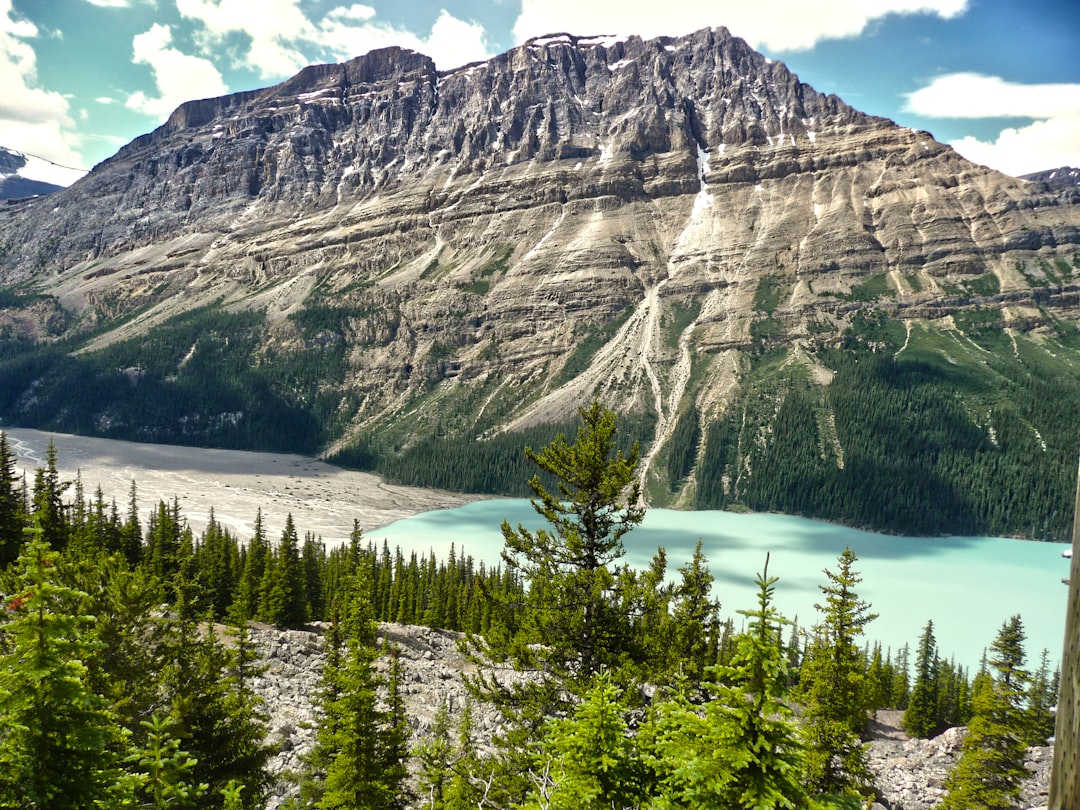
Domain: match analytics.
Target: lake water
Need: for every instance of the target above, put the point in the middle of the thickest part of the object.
(968, 586)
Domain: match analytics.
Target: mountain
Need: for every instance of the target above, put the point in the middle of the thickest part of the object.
(17, 176)
(794, 305)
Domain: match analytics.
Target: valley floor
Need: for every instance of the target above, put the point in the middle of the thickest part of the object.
(322, 498)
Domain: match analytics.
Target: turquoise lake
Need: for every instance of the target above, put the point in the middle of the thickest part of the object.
(968, 586)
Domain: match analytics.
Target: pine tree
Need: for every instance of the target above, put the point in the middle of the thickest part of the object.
(990, 771)
(569, 567)
(743, 750)
(833, 687)
(58, 741)
(12, 519)
(694, 614)
(921, 716)
(282, 600)
(359, 748)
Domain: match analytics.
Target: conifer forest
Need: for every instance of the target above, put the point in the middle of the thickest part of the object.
(126, 666)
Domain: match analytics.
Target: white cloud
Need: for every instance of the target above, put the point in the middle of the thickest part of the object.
(1050, 141)
(111, 3)
(451, 43)
(780, 25)
(32, 118)
(973, 95)
(179, 76)
(280, 39)
(272, 30)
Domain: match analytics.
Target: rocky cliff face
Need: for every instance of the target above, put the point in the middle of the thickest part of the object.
(576, 216)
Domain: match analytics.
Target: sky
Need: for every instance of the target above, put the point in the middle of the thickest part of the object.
(999, 80)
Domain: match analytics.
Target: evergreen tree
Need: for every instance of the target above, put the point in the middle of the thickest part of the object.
(58, 741)
(282, 597)
(569, 567)
(359, 746)
(164, 769)
(833, 687)
(990, 771)
(48, 505)
(12, 519)
(694, 614)
(588, 761)
(255, 564)
(921, 716)
(743, 750)
(131, 539)
(1042, 696)
(218, 718)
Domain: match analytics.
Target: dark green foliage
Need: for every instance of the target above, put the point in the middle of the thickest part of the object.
(833, 687)
(359, 760)
(569, 567)
(870, 289)
(1042, 696)
(190, 380)
(920, 718)
(58, 740)
(990, 771)
(282, 601)
(988, 441)
(768, 293)
(12, 518)
(683, 447)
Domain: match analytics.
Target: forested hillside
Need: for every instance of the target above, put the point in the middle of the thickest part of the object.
(615, 687)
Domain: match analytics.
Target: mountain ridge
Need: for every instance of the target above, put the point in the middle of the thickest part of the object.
(397, 255)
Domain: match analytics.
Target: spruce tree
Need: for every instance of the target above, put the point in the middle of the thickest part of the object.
(921, 716)
(589, 761)
(358, 762)
(58, 740)
(990, 771)
(282, 600)
(743, 750)
(1042, 696)
(12, 519)
(694, 615)
(833, 687)
(48, 505)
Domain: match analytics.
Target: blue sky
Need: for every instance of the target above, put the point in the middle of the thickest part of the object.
(998, 79)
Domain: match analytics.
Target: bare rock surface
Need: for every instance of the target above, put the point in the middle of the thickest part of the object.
(910, 774)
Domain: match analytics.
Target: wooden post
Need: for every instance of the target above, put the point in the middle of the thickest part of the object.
(1065, 776)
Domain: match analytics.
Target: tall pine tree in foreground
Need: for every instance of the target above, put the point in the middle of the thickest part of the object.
(990, 771)
(58, 741)
(833, 687)
(743, 750)
(570, 565)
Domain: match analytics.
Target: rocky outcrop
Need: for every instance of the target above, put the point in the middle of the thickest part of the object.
(431, 667)
(909, 774)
